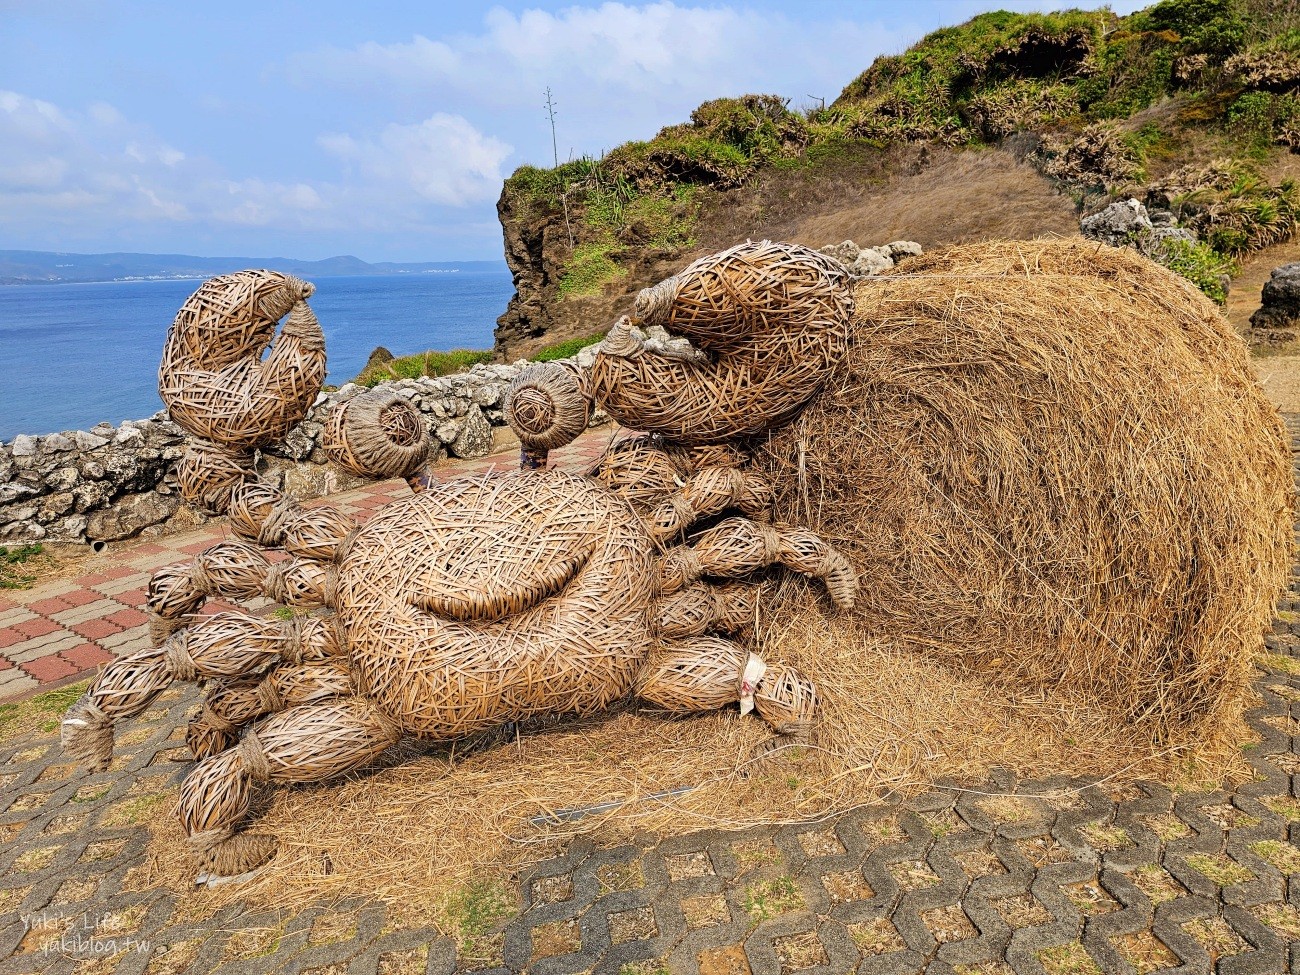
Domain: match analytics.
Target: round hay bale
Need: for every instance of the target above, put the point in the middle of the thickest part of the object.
(1051, 460)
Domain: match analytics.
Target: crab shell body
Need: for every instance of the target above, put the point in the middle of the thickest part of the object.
(496, 598)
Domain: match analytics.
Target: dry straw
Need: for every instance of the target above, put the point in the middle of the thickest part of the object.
(431, 819)
(1051, 459)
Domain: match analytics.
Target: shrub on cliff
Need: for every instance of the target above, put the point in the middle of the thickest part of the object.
(725, 140)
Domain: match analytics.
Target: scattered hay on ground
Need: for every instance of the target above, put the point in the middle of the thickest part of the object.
(430, 822)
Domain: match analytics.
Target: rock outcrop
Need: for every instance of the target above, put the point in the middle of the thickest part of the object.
(537, 250)
(865, 261)
(1278, 317)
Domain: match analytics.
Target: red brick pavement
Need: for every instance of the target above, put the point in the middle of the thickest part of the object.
(67, 628)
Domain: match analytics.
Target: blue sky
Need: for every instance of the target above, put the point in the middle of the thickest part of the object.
(314, 129)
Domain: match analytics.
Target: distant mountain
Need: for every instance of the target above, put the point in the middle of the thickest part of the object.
(51, 267)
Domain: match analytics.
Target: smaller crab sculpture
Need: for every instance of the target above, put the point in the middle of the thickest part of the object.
(486, 599)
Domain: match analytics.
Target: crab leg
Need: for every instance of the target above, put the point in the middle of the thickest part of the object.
(736, 547)
(710, 491)
(228, 707)
(703, 608)
(708, 673)
(309, 743)
(225, 645)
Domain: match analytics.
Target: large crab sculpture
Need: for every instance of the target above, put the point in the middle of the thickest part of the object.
(486, 599)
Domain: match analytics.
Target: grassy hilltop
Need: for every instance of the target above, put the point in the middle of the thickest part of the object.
(1008, 125)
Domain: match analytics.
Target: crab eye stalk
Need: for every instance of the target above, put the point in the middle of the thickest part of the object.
(378, 434)
(547, 406)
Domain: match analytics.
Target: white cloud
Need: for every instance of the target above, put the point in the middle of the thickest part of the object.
(618, 46)
(92, 172)
(618, 71)
(96, 169)
(443, 159)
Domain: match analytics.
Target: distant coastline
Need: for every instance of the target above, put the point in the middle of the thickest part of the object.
(18, 268)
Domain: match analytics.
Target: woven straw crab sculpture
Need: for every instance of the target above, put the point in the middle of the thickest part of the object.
(486, 599)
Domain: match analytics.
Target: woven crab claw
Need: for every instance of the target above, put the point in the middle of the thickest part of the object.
(770, 318)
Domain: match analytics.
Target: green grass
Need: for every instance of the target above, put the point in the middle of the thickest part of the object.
(476, 908)
(1200, 264)
(768, 898)
(429, 363)
(587, 271)
(566, 349)
(1284, 856)
(138, 809)
(12, 575)
(1219, 869)
(42, 711)
(1068, 959)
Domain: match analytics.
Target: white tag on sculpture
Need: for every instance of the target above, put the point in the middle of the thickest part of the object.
(754, 671)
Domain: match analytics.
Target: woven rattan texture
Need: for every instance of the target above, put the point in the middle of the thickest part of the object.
(495, 598)
(377, 434)
(547, 405)
(213, 378)
(771, 319)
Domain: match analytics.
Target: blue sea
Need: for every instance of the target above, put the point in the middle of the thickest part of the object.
(73, 355)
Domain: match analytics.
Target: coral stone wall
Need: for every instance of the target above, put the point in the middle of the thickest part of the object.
(116, 482)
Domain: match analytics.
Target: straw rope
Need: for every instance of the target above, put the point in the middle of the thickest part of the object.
(771, 319)
(86, 734)
(161, 627)
(310, 639)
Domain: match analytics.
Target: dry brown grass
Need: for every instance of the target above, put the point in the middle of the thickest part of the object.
(959, 197)
(1051, 460)
(430, 821)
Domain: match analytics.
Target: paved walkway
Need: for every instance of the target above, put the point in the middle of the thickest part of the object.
(993, 877)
